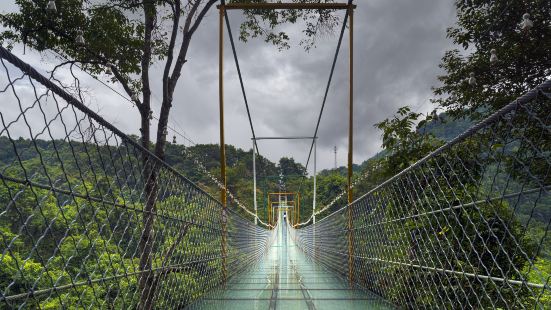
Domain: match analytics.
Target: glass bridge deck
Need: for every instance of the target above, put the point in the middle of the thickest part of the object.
(287, 279)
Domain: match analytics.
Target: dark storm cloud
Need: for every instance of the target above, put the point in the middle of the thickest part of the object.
(398, 45)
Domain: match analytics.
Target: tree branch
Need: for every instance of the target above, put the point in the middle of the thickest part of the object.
(177, 10)
(188, 31)
(183, 48)
(150, 12)
(72, 62)
(201, 15)
(125, 85)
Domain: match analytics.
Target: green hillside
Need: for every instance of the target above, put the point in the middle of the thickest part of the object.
(330, 182)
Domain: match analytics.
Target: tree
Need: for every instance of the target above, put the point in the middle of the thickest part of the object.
(288, 167)
(505, 56)
(123, 38)
(405, 140)
(476, 239)
(505, 45)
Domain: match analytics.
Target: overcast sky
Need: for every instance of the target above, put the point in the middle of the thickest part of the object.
(398, 46)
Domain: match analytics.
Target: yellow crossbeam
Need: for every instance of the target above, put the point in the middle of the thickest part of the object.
(287, 6)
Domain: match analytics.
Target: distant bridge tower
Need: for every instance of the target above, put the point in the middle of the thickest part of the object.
(335, 151)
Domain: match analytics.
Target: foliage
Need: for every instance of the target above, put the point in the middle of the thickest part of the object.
(264, 24)
(523, 56)
(521, 62)
(404, 141)
(111, 35)
(486, 238)
(51, 238)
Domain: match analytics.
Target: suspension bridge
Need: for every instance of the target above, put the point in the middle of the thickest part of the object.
(92, 219)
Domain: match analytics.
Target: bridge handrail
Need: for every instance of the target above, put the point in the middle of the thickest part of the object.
(467, 224)
(91, 217)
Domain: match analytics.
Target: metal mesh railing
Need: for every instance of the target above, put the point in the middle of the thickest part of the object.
(90, 219)
(468, 226)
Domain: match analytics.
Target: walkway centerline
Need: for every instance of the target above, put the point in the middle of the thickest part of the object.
(287, 279)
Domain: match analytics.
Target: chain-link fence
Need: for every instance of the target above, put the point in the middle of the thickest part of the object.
(467, 226)
(90, 219)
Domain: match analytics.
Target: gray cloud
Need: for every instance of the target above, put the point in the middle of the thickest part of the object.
(398, 45)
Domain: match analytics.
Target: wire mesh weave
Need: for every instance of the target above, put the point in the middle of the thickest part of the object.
(90, 219)
(468, 226)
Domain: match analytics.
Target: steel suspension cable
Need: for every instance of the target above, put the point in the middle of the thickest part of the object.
(238, 67)
(364, 174)
(196, 161)
(112, 170)
(201, 166)
(327, 87)
(239, 75)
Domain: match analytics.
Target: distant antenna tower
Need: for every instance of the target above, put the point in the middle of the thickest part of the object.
(335, 150)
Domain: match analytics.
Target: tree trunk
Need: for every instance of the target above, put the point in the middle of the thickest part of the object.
(146, 286)
(146, 280)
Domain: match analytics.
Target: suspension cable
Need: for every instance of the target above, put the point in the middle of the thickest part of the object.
(364, 175)
(327, 88)
(214, 179)
(234, 51)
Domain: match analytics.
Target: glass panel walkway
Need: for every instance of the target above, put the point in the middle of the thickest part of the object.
(287, 279)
